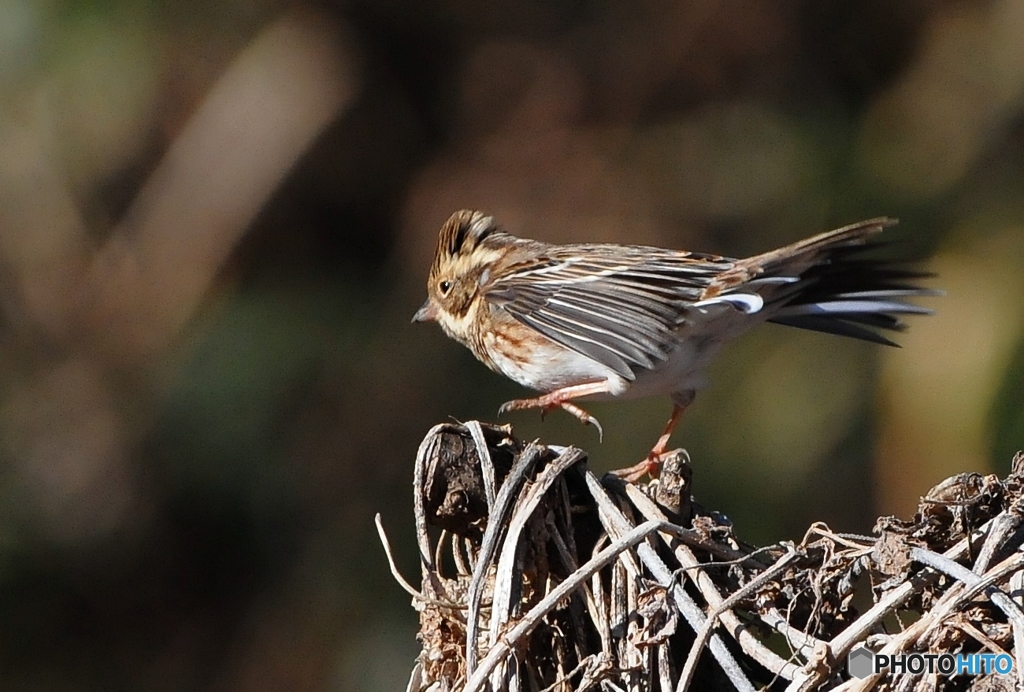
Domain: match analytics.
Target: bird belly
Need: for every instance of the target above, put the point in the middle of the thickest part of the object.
(550, 365)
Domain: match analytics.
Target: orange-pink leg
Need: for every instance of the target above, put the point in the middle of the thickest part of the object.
(652, 464)
(561, 398)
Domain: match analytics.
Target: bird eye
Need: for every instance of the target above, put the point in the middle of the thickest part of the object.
(445, 286)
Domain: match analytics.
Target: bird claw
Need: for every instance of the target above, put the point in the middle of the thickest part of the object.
(545, 407)
(651, 466)
(584, 418)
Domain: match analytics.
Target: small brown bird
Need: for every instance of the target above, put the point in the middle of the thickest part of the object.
(627, 321)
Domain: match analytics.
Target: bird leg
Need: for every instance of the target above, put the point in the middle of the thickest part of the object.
(652, 464)
(562, 398)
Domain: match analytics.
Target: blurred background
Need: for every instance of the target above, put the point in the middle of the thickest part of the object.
(216, 220)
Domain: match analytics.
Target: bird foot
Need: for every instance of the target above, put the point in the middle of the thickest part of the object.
(651, 466)
(548, 403)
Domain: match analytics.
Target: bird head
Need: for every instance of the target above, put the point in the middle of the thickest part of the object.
(461, 268)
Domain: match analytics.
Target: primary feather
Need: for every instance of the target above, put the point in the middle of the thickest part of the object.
(623, 305)
(619, 305)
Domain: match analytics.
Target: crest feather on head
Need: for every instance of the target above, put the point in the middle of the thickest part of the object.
(462, 232)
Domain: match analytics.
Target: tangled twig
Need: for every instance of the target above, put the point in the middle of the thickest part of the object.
(545, 578)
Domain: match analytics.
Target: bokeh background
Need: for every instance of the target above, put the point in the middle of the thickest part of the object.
(216, 221)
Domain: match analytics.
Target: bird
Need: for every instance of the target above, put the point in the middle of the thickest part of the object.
(605, 321)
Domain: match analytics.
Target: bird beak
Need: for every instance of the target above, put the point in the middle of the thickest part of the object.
(427, 313)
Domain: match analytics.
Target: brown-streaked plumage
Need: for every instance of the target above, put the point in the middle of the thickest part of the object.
(602, 320)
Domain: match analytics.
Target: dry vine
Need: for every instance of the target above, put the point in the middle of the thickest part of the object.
(540, 577)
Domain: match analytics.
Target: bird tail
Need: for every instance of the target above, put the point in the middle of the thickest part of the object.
(824, 284)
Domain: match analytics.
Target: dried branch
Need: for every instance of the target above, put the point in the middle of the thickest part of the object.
(565, 582)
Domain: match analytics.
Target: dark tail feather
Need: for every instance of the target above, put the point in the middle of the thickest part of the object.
(831, 325)
(852, 296)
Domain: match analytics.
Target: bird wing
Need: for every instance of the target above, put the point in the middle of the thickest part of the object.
(619, 305)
